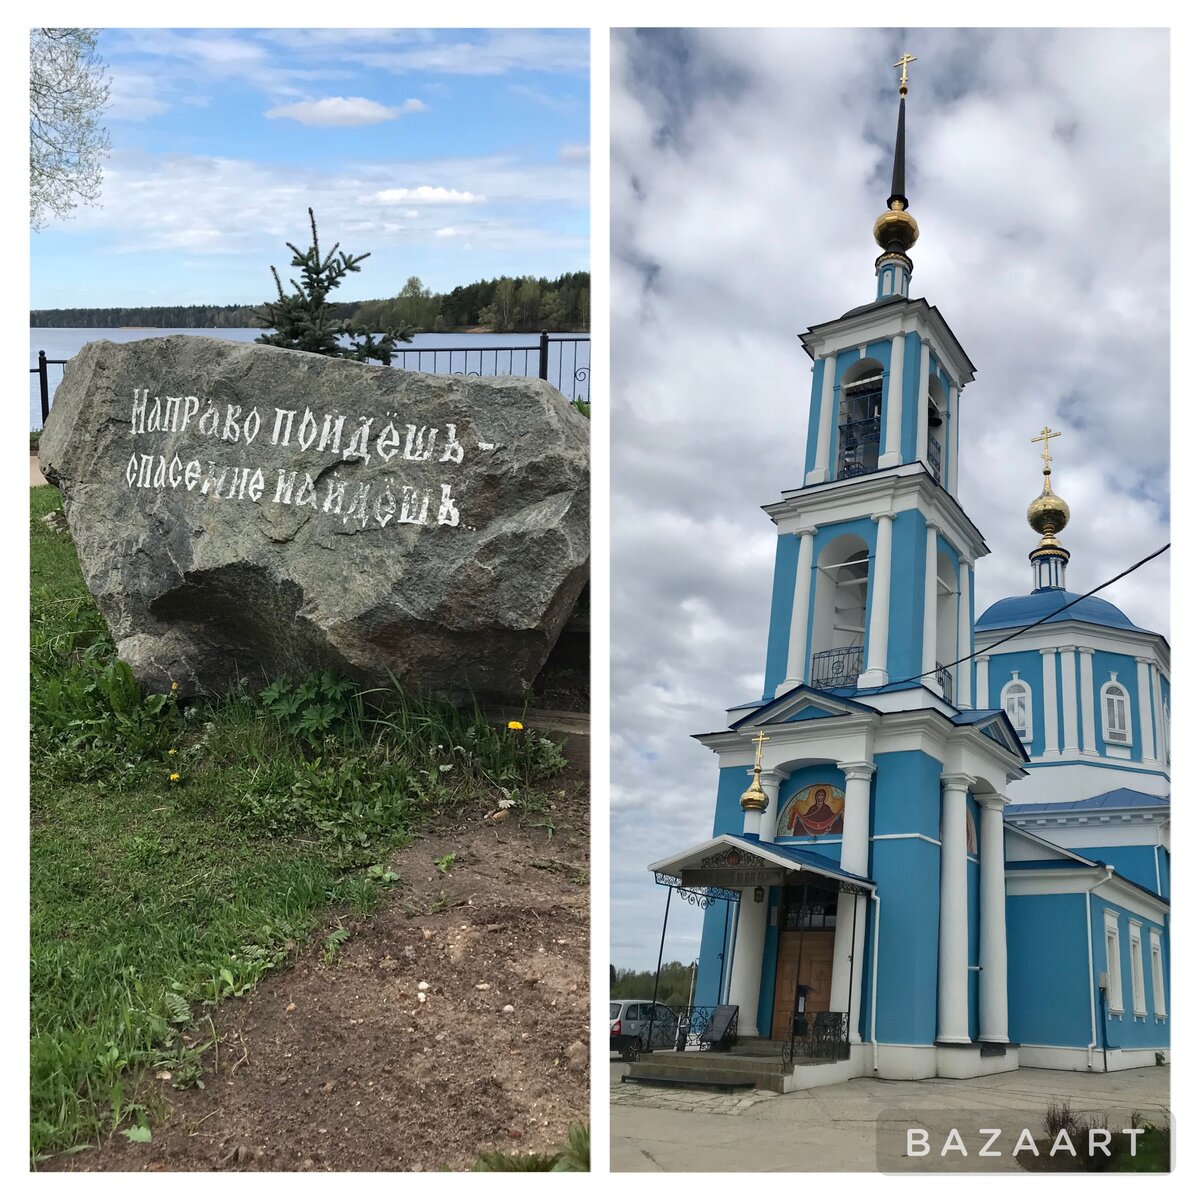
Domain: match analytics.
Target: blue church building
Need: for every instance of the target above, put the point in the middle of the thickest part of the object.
(945, 835)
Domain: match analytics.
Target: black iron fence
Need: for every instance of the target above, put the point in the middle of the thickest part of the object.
(837, 668)
(818, 1037)
(562, 360)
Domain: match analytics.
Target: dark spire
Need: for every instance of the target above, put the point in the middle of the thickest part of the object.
(898, 165)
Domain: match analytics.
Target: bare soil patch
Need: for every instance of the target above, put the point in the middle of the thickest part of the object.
(336, 1063)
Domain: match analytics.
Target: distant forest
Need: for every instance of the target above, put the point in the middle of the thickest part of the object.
(674, 984)
(504, 305)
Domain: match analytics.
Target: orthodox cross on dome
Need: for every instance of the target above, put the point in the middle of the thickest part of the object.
(1044, 437)
(758, 741)
(903, 65)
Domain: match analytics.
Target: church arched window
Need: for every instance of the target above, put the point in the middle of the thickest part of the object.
(858, 419)
(839, 627)
(1017, 702)
(1115, 705)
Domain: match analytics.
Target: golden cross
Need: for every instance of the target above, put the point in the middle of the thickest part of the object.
(762, 737)
(1044, 437)
(903, 65)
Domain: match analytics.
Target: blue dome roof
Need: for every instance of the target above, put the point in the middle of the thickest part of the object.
(1015, 611)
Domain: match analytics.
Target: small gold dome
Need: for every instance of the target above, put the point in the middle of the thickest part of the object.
(754, 798)
(1048, 515)
(896, 228)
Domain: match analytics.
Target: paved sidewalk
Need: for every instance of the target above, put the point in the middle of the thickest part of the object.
(36, 478)
(834, 1128)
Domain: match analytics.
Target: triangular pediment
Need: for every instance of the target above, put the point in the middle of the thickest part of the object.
(995, 726)
(802, 703)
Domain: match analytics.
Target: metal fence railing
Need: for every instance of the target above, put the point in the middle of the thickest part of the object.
(562, 360)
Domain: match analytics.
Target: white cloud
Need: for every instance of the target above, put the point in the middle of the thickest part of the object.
(425, 195)
(447, 232)
(342, 110)
(574, 152)
(744, 194)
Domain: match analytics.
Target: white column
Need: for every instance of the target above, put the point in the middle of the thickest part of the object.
(1160, 742)
(950, 470)
(1070, 704)
(770, 781)
(981, 681)
(890, 457)
(1147, 746)
(993, 939)
(929, 627)
(849, 938)
(881, 599)
(922, 454)
(1049, 701)
(962, 684)
(952, 1024)
(798, 635)
(1087, 700)
(746, 972)
(751, 822)
(856, 817)
(820, 471)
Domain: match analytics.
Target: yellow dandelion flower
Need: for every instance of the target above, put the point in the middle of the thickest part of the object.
(174, 686)
(174, 776)
(515, 725)
(171, 751)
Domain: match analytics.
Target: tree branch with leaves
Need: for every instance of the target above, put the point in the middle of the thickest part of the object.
(300, 318)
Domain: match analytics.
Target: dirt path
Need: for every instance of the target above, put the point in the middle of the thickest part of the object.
(341, 1066)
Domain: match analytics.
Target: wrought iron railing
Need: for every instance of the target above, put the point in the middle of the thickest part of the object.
(934, 454)
(564, 361)
(858, 447)
(691, 1028)
(818, 1037)
(946, 681)
(837, 668)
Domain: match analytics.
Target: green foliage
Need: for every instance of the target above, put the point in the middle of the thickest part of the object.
(577, 1154)
(68, 90)
(444, 863)
(300, 319)
(574, 1156)
(320, 706)
(674, 984)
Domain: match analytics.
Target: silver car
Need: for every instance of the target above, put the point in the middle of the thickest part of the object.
(630, 1030)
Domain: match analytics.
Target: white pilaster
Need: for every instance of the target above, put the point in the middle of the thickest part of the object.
(1144, 722)
(770, 781)
(876, 674)
(751, 822)
(1087, 700)
(1070, 704)
(982, 687)
(1160, 726)
(890, 456)
(952, 1023)
(993, 938)
(856, 817)
(746, 972)
(849, 940)
(798, 634)
(951, 452)
(962, 684)
(820, 471)
(922, 454)
(929, 625)
(1049, 701)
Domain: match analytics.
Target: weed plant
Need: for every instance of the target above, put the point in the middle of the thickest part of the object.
(180, 852)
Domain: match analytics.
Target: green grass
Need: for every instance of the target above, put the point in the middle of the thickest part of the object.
(177, 854)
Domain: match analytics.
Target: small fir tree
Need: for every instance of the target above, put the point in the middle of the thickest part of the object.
(302, 320)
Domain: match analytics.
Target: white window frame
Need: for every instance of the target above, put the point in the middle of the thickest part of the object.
(1113, 735)
(1166, 733)
(1157, 979)
(1137, 969)
(1112, 963)
(1018, 687)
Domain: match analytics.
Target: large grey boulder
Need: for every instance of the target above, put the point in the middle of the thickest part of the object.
(242, 511)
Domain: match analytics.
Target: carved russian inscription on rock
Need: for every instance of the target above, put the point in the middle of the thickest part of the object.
(244, 511)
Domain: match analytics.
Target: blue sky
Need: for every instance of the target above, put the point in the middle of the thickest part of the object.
(454, 155)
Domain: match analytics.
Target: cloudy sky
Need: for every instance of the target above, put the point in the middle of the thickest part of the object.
(747, 171)
(452, 155)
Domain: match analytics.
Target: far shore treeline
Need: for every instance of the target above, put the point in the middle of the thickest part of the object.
(504, 305)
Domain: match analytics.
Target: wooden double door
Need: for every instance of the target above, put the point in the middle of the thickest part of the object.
(812, 951)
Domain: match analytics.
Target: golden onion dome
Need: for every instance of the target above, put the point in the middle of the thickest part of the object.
(896, 229)
(754, 799)
(1048, 515)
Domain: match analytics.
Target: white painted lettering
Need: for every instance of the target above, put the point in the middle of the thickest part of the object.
(358, 506)
(257, 484)
(144, 472)
(954, 1142)
(281, 435)
(191, 406)
(171, 413)
(1133, 1137)
(1026, 1142)
(335, 490)
(331, 440)
(160, 474)
(389, 441)
(140, 401)
(191, 474)
(176, 472)
(385, 507)
(211, 424)
(307, 492)
(231, 432)
(131, 470)
(360, 443)
(154, 424)
(918, 1143)
(408, 512)
(308, 431)
(416, 446)
(447, 512)
(250, 431)
(454, 451)
(1099, 1139)
(987, 1151)
(1063, 1142)
(283, 486)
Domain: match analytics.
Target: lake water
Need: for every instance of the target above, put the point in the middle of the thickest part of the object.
(569, 367)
